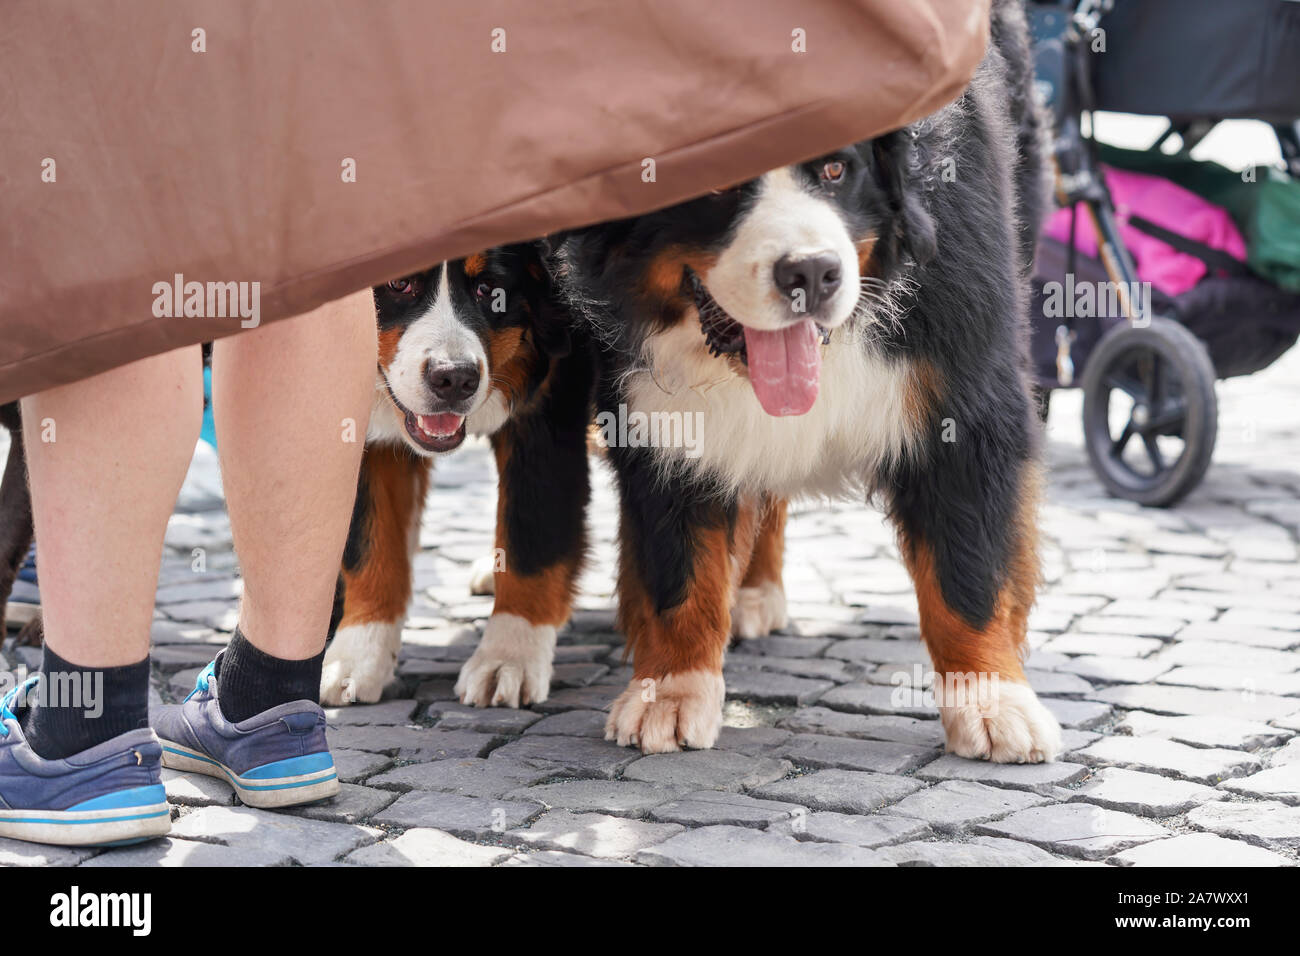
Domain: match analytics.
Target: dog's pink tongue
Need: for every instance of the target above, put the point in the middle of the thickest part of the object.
(785, 367)
(441, 425)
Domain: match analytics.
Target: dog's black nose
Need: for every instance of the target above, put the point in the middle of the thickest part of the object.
(817, 276)
(453, 383)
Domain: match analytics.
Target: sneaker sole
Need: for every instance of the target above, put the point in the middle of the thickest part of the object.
(263, 792)
(130, 816)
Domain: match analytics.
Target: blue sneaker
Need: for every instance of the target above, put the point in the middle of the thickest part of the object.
(278, 758)
(111, 793)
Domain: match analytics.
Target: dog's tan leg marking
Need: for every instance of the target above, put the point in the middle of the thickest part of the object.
(986, 705)
(362, 658)
(675, 697)
(760, 600)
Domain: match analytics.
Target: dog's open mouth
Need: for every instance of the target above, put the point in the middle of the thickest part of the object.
(723, 334)
(436, 432)
(433, 433)
(784, 364)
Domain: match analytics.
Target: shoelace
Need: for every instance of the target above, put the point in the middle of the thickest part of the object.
(7, 702)
(201, 684)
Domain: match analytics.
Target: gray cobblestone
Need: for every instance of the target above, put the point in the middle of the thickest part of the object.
(982, 851)
(354, 766)
(592, 834)
(1145, 794)
(954, 804)
(559, 858)
(1198, 849)
(864, 698)
(823, 752)
(280, 834)
(871, 831)
(388, 713)
(741, 846)
(459, 816)
(1077, 714)
(1191, 701)
(572, 723)
(172, 852)
(1201, 764)
(596, 697)
(484, 720)
(1076, 829)
(568, 756)
(841, 791)
(1264, 822)
(352, 804)
(469, 776)
(412, 743)
(903, 730)
(19, 853)
(423, 846)
(1278, 783)
(1227, 732)
(707, 770)
(626, 798)
(754, 741)
(772, 688)
(712, 808)
(197, 790)
(1043, 778)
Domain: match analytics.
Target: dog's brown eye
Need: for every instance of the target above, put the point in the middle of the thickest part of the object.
(483, 290)
(402, 286)
(833, 171)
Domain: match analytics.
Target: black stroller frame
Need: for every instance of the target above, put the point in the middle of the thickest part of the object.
(1163, 368)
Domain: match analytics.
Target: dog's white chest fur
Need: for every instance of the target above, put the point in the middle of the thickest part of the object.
(861, 421)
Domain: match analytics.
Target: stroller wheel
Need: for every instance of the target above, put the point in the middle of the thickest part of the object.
(1150, 415)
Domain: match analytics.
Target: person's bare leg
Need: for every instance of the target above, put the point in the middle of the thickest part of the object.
(291, 402)
(106, 458)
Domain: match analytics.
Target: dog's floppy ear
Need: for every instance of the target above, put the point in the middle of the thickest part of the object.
(549, 315)
(910, 233)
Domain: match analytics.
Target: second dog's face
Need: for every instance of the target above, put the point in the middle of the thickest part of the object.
(458, 344)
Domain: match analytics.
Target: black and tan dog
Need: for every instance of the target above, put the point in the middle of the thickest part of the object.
(476, 345)
(850, 325)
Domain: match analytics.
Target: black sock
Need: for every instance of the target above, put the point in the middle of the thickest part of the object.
(74, 708)
(250, 681)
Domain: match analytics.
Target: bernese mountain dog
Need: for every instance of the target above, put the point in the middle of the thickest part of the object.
(474, 346)
(850, 325)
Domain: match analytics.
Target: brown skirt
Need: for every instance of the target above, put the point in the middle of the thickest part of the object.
(172, 170)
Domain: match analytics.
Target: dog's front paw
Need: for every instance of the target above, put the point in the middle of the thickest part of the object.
(512, 666)
(1004, 722)
(360, 662)
(482, 575)
(759, 610)
(659, 716)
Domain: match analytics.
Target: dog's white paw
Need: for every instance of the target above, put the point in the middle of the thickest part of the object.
(482, 575)
(659, 716)
(759, 610)
(1004, 722)
(512, 666)
(360, 662)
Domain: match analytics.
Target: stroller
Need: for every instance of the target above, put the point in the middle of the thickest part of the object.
(1148, 365)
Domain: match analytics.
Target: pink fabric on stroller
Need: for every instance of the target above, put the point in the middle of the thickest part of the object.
(1164, 204)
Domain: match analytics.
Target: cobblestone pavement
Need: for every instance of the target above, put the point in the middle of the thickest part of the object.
(1167, 642)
